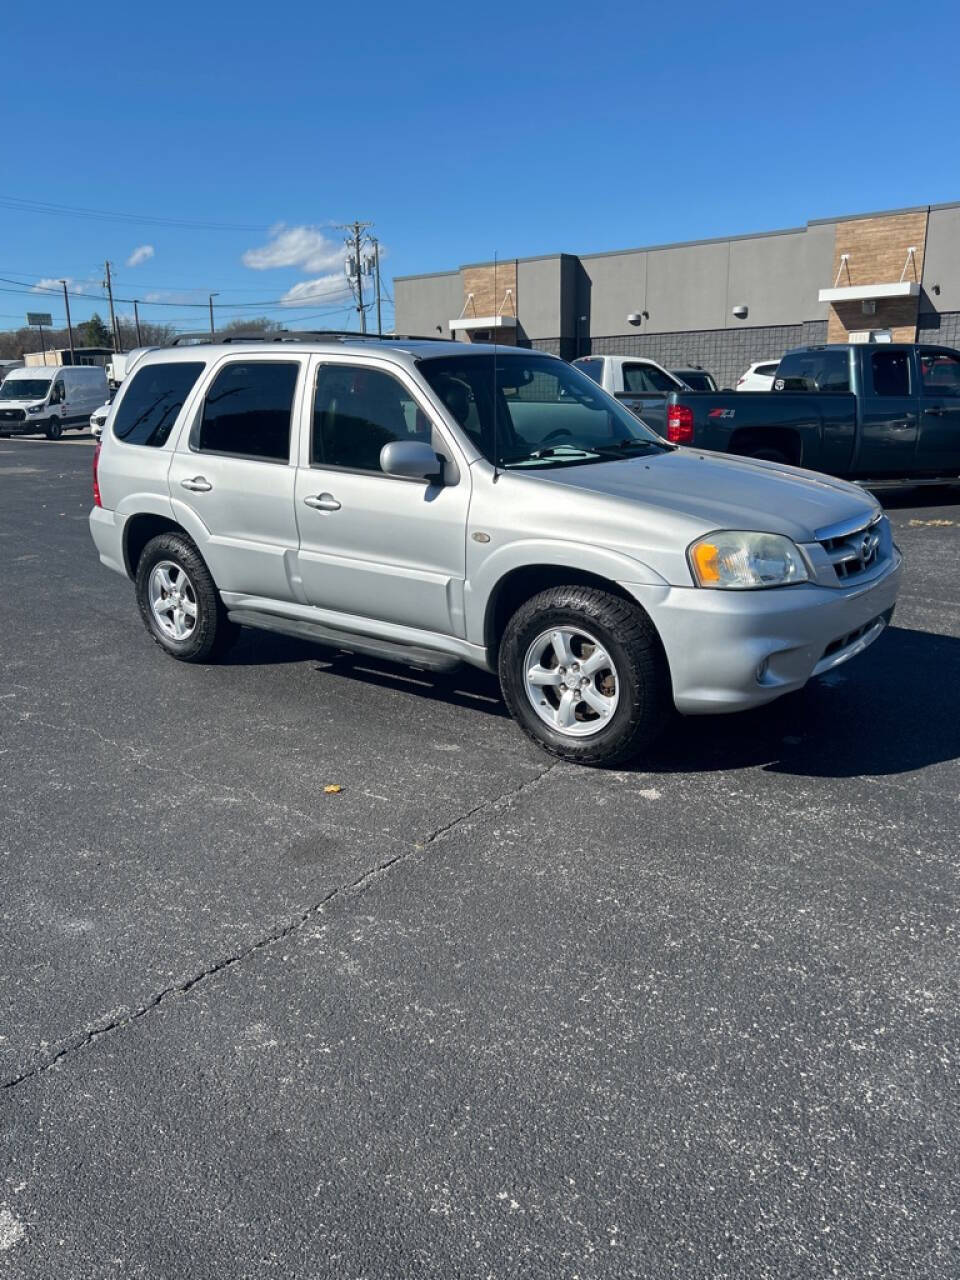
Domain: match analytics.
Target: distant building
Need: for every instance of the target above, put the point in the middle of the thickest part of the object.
(720, 303)
(61, 356)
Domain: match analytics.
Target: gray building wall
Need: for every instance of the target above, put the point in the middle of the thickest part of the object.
(423, 302)
(539, 297)
(941, 261)
(689, 292)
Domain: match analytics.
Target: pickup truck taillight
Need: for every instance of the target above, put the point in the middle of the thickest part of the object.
(97, 501)
(680, 424)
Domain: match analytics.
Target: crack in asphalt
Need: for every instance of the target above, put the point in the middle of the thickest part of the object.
(93, 1034)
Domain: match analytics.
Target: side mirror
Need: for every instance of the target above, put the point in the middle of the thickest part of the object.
(410, 460)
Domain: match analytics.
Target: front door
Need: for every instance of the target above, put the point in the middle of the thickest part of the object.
(939, 449)
(233, 470)
(374, 545)
(888, 414)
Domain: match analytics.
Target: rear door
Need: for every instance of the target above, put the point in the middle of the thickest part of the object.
(374, 545)
(889, 416)
(233, 469)
(939, 448)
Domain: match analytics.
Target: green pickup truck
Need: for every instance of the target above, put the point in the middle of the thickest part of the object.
(867, 412)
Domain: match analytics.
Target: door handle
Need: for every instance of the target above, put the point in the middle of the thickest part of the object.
(199, 484)
(322, 502)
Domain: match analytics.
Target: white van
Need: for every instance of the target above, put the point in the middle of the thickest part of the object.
(50, 398)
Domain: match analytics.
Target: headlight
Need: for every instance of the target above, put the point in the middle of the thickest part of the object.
(741, 561)
(34, 408)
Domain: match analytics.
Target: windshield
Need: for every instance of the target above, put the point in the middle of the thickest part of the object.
(541, 411)
(24, 389)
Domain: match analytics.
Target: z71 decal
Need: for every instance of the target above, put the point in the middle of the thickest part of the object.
(722, 413)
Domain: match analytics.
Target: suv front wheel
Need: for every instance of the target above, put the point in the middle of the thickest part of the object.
(584, 675)
(179, 601)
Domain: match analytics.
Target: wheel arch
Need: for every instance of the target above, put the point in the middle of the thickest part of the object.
(521, 583)
(746, 441)
(137, 532)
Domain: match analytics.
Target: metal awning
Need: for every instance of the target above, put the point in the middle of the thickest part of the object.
(470, 323)
(866, 292)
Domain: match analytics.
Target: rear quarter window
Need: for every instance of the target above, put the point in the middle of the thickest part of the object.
(814, 371)
(152, 402)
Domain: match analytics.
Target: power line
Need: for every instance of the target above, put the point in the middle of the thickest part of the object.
(27, 290)
(41, 206)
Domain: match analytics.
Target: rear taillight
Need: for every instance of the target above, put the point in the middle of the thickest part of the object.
(97, 500)
(680, 424)
(741, 381)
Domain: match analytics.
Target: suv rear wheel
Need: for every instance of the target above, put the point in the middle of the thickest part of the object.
(584, 675)
(179, 601)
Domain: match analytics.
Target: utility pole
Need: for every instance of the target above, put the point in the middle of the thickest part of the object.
(136, 321)
(66, 303)
(213, 332)
(357, 229)
(113, 319)
(376, 271)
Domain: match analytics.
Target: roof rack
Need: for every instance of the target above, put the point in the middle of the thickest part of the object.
(300, 335)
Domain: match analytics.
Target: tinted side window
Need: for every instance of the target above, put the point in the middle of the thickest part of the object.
(940, 372)
(696, 381)
(638, 378)
(592, 368)
(153, 400)
(358, 411)
(891, 373)
(247, 410)
(814, 371)
(768, 370)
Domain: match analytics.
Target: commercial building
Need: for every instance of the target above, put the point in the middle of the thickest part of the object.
(63, 356)
(718, 303)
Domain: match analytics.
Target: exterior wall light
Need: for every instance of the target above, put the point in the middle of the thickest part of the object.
(741, 312)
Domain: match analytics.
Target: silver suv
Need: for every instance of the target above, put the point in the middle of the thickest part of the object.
(437, 503)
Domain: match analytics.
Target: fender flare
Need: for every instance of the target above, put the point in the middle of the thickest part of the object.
(547, 553)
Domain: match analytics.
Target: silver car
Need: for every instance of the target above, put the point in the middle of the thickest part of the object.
(437, 503)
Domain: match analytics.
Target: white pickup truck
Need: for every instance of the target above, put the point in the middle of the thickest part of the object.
(641, 383)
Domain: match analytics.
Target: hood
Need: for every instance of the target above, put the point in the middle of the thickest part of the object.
(717, 491)
(29, 403)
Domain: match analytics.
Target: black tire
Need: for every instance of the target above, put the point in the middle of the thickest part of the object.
(629, 637)
(213, 633)
(54, 429)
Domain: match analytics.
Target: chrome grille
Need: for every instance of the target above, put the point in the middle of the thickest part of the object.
(857, 552)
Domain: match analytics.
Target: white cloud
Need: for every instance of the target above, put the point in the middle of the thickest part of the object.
(50, 282)
(142, 253)
(329, 288)
(304, 247)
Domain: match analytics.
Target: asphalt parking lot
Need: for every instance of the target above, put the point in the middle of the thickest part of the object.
(476, 1014)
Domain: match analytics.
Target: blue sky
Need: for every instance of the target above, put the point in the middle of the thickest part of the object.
(460, 131)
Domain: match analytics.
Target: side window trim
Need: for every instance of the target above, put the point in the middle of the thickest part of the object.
(194, 416)
(451, 455)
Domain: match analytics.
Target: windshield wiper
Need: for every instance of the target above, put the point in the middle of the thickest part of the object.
(624, 446)
(572, 451)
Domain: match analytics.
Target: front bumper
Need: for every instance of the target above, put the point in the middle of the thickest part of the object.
(732, 650)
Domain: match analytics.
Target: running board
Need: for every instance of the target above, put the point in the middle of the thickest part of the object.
(409, 655)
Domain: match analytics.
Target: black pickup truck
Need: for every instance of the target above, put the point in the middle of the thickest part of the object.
(879, 411)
